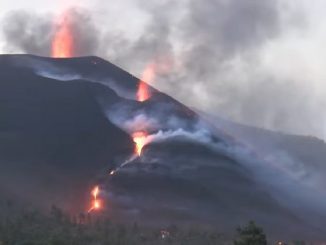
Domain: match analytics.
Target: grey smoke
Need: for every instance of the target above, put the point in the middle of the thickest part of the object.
(32, 33)
(26, 32)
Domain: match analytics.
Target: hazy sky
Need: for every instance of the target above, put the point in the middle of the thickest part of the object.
(258, 62)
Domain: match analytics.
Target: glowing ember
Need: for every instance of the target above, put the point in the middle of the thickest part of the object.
(148, 75)
(63, 42)
(96, 203)
(140, 139)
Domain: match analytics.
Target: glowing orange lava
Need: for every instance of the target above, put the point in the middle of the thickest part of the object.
(142, 93)
(140, 139)
(96, 203)
(63, 41)
(148, 75)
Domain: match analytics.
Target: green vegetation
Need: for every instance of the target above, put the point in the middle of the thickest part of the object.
(19, 226)
(35, 228)
(251, 235)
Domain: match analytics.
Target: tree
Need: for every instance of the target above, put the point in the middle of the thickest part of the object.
(251, 234)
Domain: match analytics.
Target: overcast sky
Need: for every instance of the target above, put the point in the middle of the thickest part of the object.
(258, 62)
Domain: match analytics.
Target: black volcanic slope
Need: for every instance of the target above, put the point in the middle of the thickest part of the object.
(66, 123)
(55, 127)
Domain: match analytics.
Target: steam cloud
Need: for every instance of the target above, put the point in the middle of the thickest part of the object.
(216, 50)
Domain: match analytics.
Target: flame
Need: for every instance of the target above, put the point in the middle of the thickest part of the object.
(63, 41)
(140, 139)
(96, 203)
(148, 75)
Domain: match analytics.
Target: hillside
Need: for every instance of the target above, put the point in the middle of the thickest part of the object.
(67, 123)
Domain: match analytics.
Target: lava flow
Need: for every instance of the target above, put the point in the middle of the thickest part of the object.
(140, 139)
(148, 75)
(96, 203)
(63, 41)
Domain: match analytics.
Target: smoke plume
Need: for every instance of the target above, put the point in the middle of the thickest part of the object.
(31, 33)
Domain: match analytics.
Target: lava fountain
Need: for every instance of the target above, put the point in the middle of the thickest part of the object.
(140, 139)
(143, 94)
(63, 41)
(148, 75)
(96, 203)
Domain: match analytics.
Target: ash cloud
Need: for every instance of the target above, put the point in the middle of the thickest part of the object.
(33, 33)
(26, 32)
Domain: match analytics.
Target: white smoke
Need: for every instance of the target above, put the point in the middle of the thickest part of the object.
(46, 68)
(139, 122)
(201, 136)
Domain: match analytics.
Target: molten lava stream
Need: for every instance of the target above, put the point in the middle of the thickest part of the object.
(140, 139)
(63, 41)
